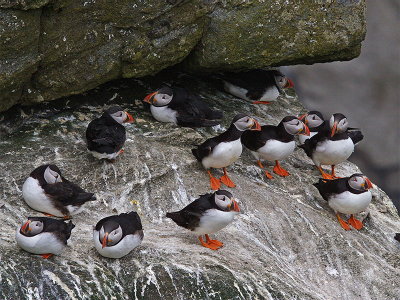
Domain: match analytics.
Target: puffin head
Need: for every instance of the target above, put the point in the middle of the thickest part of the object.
(225, 202)
(119, 115)
(282, 81)
(243, 122)
(161, 97)
(294, 126)
(52, 174)
(360, 182)
(338, 123)
(312, 119)
(110, 233)
(31, 227)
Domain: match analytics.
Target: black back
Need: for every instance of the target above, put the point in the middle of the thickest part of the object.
(104, 134)
(129, 222)
(60, 229)
(328, 188)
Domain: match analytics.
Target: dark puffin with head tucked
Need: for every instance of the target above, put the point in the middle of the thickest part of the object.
(106, 135)
(224, 149)
(44, 236)
(348, 195)
(258, 86)
(177, 105)
(330, 147)
(116, 236)
(206, 215)
(46, 190)
(274, 143)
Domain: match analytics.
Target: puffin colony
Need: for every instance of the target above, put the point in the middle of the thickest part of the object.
(326, 142)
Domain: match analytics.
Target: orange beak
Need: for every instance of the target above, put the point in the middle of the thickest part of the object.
(129, 118)
(25, 227)
(104, 242)
(369, 183)
(289, 84)
(256, 126)
(235, 206)
(150, 98)
(303, 118)
(334, 129)
(305, 131)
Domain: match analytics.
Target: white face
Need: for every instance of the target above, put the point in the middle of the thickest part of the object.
(51, 176)
(244, 123)
(119, 116)
(294, 126)
(31, 228)
(281, 80)
(313, 120)
(162, 99)
(223, 202)
(341, 126)
(113, 237)
(357, 182)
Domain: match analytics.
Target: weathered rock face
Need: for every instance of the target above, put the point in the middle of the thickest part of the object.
(50, 49)
(286, 243)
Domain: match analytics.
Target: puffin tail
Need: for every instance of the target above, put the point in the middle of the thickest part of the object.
(68, 229)
(85, 197)
(356, 136)
(196, 154)
(216, 115)
(177, 218)
(397, 237)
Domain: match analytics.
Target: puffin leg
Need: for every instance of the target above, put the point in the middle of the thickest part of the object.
(343, 223)
(214, 182)
(268, 174)
(333, 172)
(214, 242)
(226, 180)
(210, 246)
(261, 102)
(47, 255)
(279, 170)
(356, 224)
(121, 151)
(325, 175)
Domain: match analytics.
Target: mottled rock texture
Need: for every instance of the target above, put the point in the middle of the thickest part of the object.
(286, 243)
(51, 49)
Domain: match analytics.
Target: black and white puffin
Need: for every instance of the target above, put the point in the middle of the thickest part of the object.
(348, 195)
(330, 147)
(46, 190)
(44, 236)
(116, 236)
(179, 106)
(106, 135)
(258, 86)
(206, 215)
(274, 143)
(224, 149)
(316, 123)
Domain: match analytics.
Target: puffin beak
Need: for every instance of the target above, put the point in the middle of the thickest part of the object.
(104, 242)
(256, 126)
(305, 130)
(368, 182)
(289, 84)
(25, 228)
(150, 98)
(302, 117)
(129, 118)
(234, 206)
(334, 128)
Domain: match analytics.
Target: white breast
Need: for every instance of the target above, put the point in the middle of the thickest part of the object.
(274, 150)
(349, 203)
(109, 156)
(126, 245)
(303, 138)
(223, 155)
(41, 243)
(214, 220)
(333, 152)
(163, 114)
(270, 94)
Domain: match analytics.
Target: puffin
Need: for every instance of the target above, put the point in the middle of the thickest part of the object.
(177, 105)
(224, 149)
(44, 236)
(330, 147)
(316, 123)
(206, 215)
(46, 190)
(258, 86)
(116, 236)
(274, 143)
(106, 135)
(347, 195)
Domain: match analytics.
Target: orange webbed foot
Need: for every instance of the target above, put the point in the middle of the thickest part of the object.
(261, 102)
(343, 223)
(121, 151)
(214, 242)
(208, 245)
(67, 217)
(214, 182)
(356, 224)
(269, 175)
(46, 256)
(48, 215)
(325, 175)
(279, 170)
(226, 180)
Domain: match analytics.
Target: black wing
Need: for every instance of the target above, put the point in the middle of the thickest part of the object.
(105, 138)
(129, 222)
(68, 193)
(204, 149)
(327, 188)
(252, 80)
(59, 227)
(311, 144)
(355, 135)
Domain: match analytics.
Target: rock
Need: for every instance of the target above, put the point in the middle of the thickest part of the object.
(286, 243)
(52, 49)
